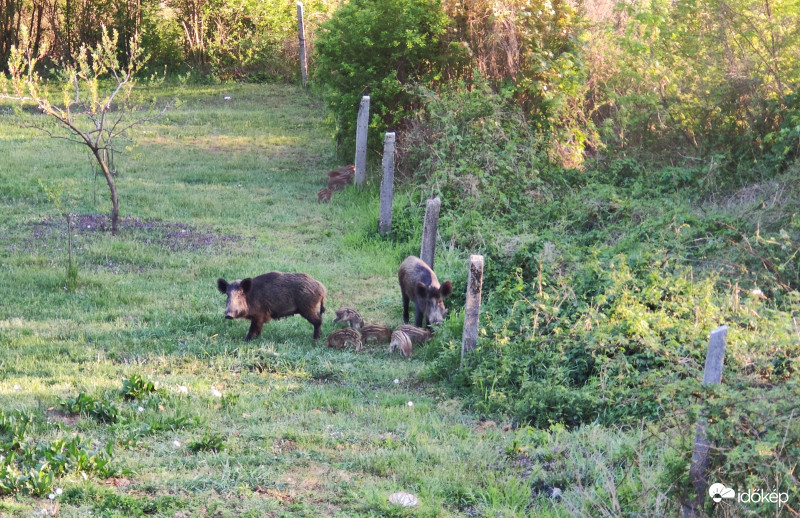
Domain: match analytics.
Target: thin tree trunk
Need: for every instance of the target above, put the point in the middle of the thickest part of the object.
(112, 187)
(37, 41)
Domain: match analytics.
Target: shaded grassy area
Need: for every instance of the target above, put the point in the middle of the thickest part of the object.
(222, 189)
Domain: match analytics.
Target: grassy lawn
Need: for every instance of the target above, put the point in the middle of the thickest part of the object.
(280, 426)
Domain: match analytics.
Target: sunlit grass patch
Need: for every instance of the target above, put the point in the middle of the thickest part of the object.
(280, 425)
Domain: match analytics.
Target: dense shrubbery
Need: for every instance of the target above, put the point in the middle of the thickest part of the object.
(476, 150)
(376, 48)
(221, 39)
(602, 285)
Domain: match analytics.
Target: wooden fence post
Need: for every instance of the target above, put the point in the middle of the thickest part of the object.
(469, 339)
(302, 35)
(699, 467)
(387, 185)
(362, 125)
(430, 228)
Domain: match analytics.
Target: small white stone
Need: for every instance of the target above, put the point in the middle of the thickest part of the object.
(403, 499)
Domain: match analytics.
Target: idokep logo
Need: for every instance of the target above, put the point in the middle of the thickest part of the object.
(719, 492)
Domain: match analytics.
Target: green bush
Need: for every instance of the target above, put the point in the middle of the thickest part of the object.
(101, 409)
(32, 466)
(377, 48)
(137, 387)
(213, 443)
(475, 149)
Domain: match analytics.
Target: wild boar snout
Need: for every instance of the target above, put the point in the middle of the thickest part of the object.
(236, 302)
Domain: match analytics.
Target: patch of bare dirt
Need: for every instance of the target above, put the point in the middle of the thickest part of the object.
(283, 446)
(176, 236)
(55, 415)
(118, 482)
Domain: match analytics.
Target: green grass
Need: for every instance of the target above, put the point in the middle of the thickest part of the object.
(224, 189)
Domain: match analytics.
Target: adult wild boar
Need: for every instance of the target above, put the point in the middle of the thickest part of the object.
(419, 283)
(272, 296)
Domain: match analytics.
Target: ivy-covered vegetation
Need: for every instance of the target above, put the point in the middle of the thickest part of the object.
(630, 172)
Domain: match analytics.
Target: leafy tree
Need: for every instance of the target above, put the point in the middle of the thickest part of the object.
(376, 47)
(96, 107)
(251, 39)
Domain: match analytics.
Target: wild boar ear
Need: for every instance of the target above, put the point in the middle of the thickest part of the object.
(222, 285)
(422, 290)
(446, 289)
(246, 285)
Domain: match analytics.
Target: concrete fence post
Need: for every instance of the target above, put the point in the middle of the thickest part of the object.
(430, 229)
(698, 470)
(302, 35)
(472, 309)
(362, 125)
(387, 185)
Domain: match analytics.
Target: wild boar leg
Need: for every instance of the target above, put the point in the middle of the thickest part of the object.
(419, 315)
(255, 328)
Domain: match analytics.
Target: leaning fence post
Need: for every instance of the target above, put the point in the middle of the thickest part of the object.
(387, 185)
(302, 35)
(472, 309)
(429, 230)
(698, 470)
(362, 125)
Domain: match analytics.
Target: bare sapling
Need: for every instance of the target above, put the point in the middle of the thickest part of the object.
(96, 107)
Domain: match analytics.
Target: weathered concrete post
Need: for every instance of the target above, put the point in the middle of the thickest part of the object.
(301, 31)
(430, 228)
(362, 125)
(387, 185)
(473, 306)
(699, 467)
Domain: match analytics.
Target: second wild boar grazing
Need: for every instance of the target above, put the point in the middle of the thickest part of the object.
(272, 296)
(349, 316)
(341, 337)
(419, 283)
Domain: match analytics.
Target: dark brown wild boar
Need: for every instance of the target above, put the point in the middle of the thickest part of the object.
(272, 296)
(419, 283)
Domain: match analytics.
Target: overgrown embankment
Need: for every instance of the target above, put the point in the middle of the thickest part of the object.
(603, 284)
